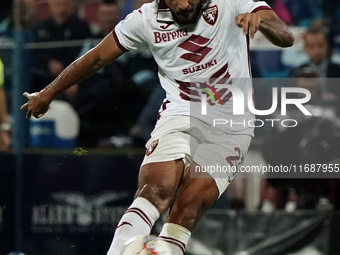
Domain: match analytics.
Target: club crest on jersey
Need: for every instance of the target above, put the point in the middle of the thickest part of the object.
(210, 15)
(151, 147)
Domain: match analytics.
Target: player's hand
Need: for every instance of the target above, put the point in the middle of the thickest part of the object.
(35, 106)
(249, 22)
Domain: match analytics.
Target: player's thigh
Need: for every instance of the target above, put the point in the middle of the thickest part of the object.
(170, 140)
(166, 157)
(195, 197)
(160, 179)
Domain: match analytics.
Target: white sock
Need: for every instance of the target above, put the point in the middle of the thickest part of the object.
(176, 236)
(137, 220)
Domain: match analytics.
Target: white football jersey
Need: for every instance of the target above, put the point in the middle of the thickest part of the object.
(213, 50)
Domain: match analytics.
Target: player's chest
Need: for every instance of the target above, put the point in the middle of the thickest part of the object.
(210, 29)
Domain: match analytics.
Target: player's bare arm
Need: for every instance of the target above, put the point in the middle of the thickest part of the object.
(269, 24)
(104, 53)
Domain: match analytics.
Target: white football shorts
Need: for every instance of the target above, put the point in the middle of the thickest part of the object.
(189, 139)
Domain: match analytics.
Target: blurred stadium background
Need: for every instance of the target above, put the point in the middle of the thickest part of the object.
(54, 202)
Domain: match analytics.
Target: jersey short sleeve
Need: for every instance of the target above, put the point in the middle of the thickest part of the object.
(2, 75)
(129, 33)
(244, 6)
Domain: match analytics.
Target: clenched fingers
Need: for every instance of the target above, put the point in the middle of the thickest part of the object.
(249, 22)
(25, 106)
(238, 20)
(28, 106)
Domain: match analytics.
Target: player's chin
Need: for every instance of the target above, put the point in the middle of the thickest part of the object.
(186, 19)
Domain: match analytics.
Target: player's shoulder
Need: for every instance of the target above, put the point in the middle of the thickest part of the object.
(149, 9)
(223, 5)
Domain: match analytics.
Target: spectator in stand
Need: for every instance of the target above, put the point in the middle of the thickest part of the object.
(137, 74)
(144, 71)
(109, 15)
(317, 48)
(5, 126)
(106, 92)
(28, 15)
(63, 25)
(299, 146)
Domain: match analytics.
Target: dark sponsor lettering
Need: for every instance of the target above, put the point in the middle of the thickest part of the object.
(169, 36)
(199, 67)
(158, 38)
(174, 35)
